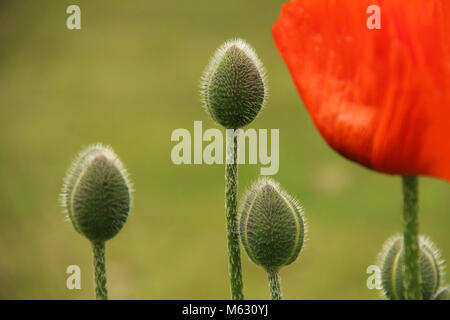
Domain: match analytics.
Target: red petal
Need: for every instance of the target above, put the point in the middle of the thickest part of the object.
(378, 97)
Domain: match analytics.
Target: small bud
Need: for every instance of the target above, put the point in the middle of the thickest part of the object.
(391, 264)
(443, 294)
(233, 85)
(271, 225)
(96, 193)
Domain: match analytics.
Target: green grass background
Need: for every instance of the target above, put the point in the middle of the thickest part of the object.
(130, 77)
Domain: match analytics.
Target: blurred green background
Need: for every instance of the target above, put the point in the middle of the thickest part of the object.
(130, 77)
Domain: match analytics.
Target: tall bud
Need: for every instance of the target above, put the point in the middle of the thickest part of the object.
(233, 85)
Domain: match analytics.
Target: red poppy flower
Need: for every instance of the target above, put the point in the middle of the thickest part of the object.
(379, 97)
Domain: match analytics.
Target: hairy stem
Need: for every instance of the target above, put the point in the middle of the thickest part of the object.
(276, 293)
(411, 275)
(231, 183)
(101, 290)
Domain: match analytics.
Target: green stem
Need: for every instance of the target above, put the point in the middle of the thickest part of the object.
(276, 293)
(101, 290)
(234, 254)
(411, 276)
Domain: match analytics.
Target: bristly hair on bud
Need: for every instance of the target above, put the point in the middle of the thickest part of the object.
(443, 294)
(233, 85)
(96, 193)
(272, 225)
(390, 261)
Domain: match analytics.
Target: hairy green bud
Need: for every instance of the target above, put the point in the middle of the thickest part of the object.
(96, 193)
(233, 86)
(271, 225)
(443, 294)
(391, 264)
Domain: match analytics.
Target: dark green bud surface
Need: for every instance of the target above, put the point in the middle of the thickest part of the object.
(97, 194)
(233, 85)
(271, 225)
(391, 264)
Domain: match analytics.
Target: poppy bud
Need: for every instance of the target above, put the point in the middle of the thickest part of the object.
(391, 263)
(443, 294)
(97, 193)
(233, 86)
(271, 225)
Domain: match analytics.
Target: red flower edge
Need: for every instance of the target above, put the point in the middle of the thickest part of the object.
(378, 97)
